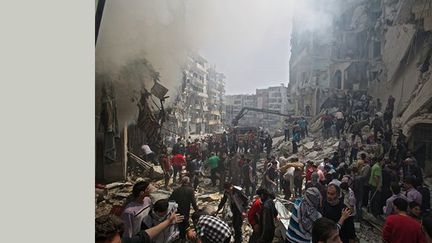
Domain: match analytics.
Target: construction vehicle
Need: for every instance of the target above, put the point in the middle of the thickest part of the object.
(244, 111)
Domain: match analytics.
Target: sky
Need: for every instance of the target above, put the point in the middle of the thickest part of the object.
(247, 40)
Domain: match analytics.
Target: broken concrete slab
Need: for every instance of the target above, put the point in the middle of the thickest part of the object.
(309, 145)
(121, 194)
(312, 155)
(285, 147)
(115, 185)
(335, 145)
(210, 197)
(156, 173)
(159, 194)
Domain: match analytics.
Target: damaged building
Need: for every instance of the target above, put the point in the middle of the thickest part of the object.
(129, 113)
(381, 47)
(330, 58)
(406, 31)
(199, 106)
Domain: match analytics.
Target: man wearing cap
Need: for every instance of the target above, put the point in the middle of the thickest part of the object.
(184, 196)
(136, 210)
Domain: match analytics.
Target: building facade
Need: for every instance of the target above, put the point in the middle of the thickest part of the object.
(275, 98)
(382, 47)
(337, 57)
(199, 106)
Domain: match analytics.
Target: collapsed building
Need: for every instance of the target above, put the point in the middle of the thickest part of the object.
(382, 47)
(129, 113)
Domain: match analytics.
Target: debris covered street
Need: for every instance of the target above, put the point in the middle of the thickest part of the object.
(191, 146)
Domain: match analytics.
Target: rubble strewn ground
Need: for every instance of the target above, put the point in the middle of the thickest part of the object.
(112, 196)
(367, 233)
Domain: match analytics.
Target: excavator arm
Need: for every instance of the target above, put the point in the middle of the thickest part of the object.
(244, 111)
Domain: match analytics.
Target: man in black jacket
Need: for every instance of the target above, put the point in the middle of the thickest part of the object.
(377, 125)
(269, 214)
(333, 209)
(184, 196)
(238, 205)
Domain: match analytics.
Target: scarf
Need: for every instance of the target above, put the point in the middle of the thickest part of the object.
(309, 209)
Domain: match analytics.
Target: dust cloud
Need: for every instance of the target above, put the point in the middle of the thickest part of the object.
(247, 40)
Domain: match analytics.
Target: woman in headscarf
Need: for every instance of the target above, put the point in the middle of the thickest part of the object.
(304, 213)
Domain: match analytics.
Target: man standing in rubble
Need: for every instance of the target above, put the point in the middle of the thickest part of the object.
(390, 103)
(136, 210)
(238, 205)
(340, 123)
(178, 161)
(184, 196)
(307, 110)
(178, 148)
(270, 177)
(248, 178)
(268, 217)
(268, 144)
(375, 183)
(343, 148)
(286, 130)
(303, 127)
(335, 209)
(377, 125)
(256, 150)
(327, 123)
(283, 160)
(149, 154)
(213, 162)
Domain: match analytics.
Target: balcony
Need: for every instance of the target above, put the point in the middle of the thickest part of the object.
(202, 94)
(214, 122)
(215, 112)
(199, 69)
(197, 82)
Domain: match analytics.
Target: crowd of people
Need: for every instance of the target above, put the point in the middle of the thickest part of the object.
(371, 172)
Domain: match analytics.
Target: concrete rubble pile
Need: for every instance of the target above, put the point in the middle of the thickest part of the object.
(118, 193)
(115, 195)
(314, 149)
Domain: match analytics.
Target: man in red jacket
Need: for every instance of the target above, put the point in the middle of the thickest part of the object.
(178, 161)
(254, 214)
(401, 228)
